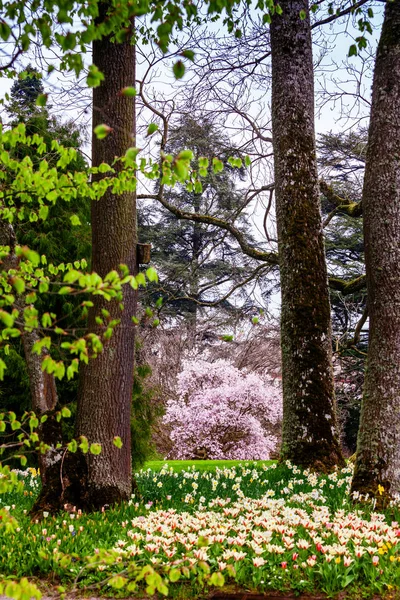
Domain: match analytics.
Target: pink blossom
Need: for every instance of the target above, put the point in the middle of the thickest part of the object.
(223, 412)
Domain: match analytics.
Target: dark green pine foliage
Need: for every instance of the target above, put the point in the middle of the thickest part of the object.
(342, 162)
(198, 264)
(55, 237)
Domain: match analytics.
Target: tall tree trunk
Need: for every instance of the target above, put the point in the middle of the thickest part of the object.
(310, 436)
(105, 395)
(42, 384)
(105, 392)
(378, 447)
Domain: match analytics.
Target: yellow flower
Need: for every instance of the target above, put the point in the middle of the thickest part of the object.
(381, 489)
(337, 560)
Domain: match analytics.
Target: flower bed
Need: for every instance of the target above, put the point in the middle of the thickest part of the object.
(254, 526)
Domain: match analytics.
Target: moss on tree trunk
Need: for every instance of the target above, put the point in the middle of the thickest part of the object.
(378, 447)
(309, 434)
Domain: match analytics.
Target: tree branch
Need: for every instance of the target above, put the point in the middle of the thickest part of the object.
(359, 326)
(354, 209)
(342, 13)
(268, 257)
(348, 287)
(341, 285)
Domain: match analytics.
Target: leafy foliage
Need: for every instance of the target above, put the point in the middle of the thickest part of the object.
(198, 263)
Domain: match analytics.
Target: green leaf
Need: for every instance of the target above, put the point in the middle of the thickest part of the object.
(117, 441)
(43, 212)
(75, 220)
(118, 582)
(174, 575)
(41, 100)
(66, 289)
(3, 367)
(18, 285)
(152, 128)
(129, 92)
(178, 69)
(185, 155)
(151, 274)
(218, 165)
(65, 412)
(352, 50)
(72, 446)
(140, 279)
(95, 449)
(95, 77)
(6, 318)
(189, 54)
(102, 131)
(227, 338)
(302, 15)
(217, 579)
(84, 444)
(5, 30)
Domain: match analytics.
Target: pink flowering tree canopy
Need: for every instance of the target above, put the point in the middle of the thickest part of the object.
(221, 412)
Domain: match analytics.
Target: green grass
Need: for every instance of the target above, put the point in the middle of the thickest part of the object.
(201, 465)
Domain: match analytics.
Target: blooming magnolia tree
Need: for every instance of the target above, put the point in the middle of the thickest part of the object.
(221, 412)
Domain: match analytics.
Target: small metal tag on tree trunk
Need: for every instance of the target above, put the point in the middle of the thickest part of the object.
(143, 253)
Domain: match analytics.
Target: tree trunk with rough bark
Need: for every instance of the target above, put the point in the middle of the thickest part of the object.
(378, 447)
(105, 393)
(105, 396)
(42, 384)
(309, 436)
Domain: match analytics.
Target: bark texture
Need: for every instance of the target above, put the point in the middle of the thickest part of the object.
(378, 448)
(309, 436)
(105, 396)
(105, 393)
(43, 386)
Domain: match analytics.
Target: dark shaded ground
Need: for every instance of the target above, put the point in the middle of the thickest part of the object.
(235, 596)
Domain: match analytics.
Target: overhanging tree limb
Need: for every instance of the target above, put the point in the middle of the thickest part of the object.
(345, 286)
(269, 257)
(353, 209)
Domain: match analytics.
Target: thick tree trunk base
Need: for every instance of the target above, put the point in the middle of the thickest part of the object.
(365, 483)
(67, 488)
(324, 461)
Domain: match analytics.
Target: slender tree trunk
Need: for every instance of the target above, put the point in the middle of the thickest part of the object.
(42, 384)
(378, 448)
(105, 396)
(310, 436)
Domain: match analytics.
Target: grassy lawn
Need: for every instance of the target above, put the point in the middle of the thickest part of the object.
(201, 465)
